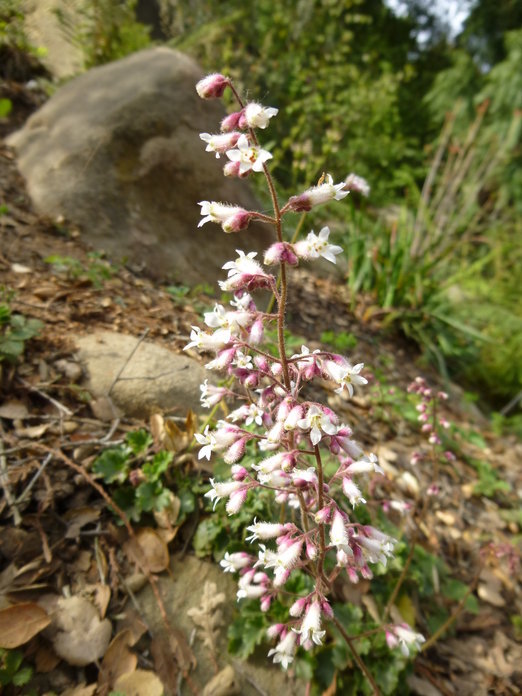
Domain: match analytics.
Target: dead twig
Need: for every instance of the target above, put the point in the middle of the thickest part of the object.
(4, 482)
(35, 478)
(61, 408)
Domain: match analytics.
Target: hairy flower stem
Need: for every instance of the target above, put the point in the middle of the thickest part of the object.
(297, 231)
(357, 657)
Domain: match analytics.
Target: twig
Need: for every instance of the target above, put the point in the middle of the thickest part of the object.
(140, 340)
(4, 482)
(35, 478)
(63, 409)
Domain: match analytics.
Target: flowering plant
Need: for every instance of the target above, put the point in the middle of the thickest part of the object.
(290, 437)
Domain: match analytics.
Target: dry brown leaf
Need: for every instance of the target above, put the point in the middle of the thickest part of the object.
(13, 410)
(157, 429)
(224, 683)
(19, 623)
(139, 683)
(33, 431)
(102, 596)
(77, 634)
(165, 667)
(118, 660)
(45, 658)
(153, 550)
(81, 690)
(134, 623)
(166, 518)
(174, 438)
(78, 518)
(332, 689)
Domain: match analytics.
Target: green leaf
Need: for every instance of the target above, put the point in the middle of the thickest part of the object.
(6, 106)
(159, 464)
(23, 676)
(247, 631)
(112, 465)
(207, 532)
(138, 441)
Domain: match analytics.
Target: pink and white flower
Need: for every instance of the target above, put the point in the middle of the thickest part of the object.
(353, 182)
(250, 157)
(231, 218)
(208, 440)
(232, 562)
(323, 193)
(405, 637)
(311, 627)
(284, 651)
(257, 116)
(316, 421)
(219, 143)
(345, 375)
(315, 246)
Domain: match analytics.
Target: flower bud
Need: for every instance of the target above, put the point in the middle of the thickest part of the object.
(234, 169)
(235, 451)
(212, 86)
(280, 252)
(237, 222)
(230, 122)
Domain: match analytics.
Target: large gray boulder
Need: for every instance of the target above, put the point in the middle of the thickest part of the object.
(117, 152)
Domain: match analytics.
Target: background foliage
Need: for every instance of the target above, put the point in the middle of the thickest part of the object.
(432, 120)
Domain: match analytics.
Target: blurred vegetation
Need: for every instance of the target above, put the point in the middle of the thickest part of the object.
(432, 121)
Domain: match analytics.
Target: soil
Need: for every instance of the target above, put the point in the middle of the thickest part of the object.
(58, 536)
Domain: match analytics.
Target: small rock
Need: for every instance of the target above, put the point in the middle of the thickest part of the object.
(142, 378)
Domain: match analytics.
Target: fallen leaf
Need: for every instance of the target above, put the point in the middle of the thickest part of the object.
(118, 660)
(165, 667)
(77, 519)
(81, 690)
(20, 268)
(45, 659)
(78, 635)
(13, 410)
(139, 683)
(157, 429)
(224, 683)
(102, 596)
(447, 518)
(152, 549)
(19, 623)
(134, 623)
(332, 689)
(33, 431)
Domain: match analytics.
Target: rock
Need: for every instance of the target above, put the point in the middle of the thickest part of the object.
(117, 152)
(60, 56)
(153, 379)
(182, 590)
